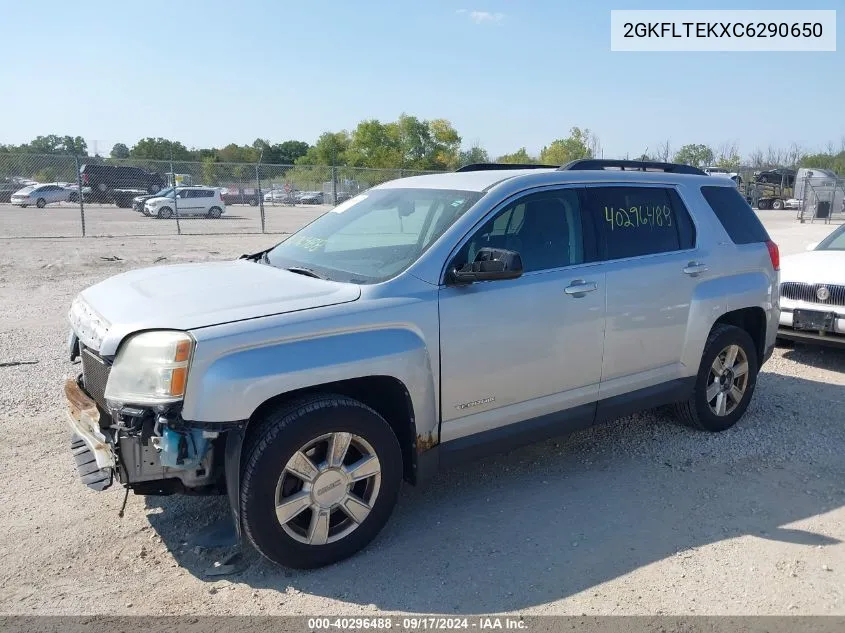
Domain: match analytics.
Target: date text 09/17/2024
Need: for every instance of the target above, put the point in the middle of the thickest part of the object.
(419, 623)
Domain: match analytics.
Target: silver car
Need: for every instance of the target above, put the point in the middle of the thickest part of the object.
(42, 195)
(431, 319)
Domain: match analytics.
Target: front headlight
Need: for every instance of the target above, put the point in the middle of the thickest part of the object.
(151, 368)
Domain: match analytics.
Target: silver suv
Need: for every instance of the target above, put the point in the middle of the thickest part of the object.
(427, 320)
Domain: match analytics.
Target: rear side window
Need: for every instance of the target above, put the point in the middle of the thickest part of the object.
(735, 214)
(635, 221)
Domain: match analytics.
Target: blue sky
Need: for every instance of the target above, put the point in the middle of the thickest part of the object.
(213, 71)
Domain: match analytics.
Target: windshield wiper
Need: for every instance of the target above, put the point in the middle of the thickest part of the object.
(260, 256)
(299, 270)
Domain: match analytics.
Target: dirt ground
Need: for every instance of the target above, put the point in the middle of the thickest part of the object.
(641, 516)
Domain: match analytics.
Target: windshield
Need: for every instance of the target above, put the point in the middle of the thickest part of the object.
(833, 242)
(374, 236)
(165, 193)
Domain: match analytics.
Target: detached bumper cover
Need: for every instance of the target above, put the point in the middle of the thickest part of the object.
(84, 420)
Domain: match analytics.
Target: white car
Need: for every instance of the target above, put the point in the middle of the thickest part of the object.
(812, 292)
(719, 171)
(42, 195)
(280, 196)
(187, 201)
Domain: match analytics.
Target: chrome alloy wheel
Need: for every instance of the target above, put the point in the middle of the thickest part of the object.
(727, 381)
(327, 488)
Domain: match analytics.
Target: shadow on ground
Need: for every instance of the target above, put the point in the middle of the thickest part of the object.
(821, 357)
(551, 520)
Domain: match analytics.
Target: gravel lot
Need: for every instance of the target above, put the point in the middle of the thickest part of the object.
(638, 517)
(63, 220)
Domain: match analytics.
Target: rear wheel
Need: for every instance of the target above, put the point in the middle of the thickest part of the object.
(320, 480)
(725, 382)
(165, 213)
(215, 212)
(41, 203)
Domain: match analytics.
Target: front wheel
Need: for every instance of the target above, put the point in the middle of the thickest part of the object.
(777, 204)
(725, 382)
(165, 213)
(41, 203)
(320, 480)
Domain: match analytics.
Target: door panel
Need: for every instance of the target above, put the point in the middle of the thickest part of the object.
(647, 240)
(648, 307)
(516, 349)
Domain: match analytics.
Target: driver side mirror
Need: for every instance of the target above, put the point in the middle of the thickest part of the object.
(490, 264)
(811, 246)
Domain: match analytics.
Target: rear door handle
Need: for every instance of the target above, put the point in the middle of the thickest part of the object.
(695, 268)
(579, 287)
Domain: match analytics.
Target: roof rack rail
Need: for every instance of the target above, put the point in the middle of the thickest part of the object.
(630, 165)
(492, 166)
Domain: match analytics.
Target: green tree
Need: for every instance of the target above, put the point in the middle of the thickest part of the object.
(119, 150)
(160, 149)
(54, 144)
(473, 156)
(825, 160)
(330, 149)
(561, 151)
(234, 153)
(375, 144)
(696, 155)
(210, 172)
(519, 157)
(47, 174)
(288, 152)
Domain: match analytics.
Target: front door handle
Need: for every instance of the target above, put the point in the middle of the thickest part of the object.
(579, 287)
(695, 268)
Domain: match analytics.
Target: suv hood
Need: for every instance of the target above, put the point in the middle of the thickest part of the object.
(190, 296)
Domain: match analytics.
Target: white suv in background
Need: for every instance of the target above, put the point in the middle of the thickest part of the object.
(188, 201)
(719, 171)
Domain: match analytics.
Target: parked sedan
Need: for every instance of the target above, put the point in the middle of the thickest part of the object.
(310, 197)
(42, 195)
(812, 292)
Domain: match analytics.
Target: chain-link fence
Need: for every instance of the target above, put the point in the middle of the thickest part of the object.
(67, 196)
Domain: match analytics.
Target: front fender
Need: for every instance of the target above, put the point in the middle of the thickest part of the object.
(231, 387)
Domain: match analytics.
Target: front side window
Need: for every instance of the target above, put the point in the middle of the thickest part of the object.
(635, 221)
(374, 236)
(544, 228)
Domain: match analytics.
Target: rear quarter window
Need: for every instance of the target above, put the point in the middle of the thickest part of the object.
(740, 222)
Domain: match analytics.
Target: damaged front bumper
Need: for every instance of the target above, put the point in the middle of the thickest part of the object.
(84, 419)
(150, 451)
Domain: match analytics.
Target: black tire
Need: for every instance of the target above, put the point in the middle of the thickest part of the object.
(696, 411)
(41, 203)
(253, 202)
(165, 213)
(763, 205)
(73, 197)
(24, 206)
(281, 433)
(777, 204)
(215, 212)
